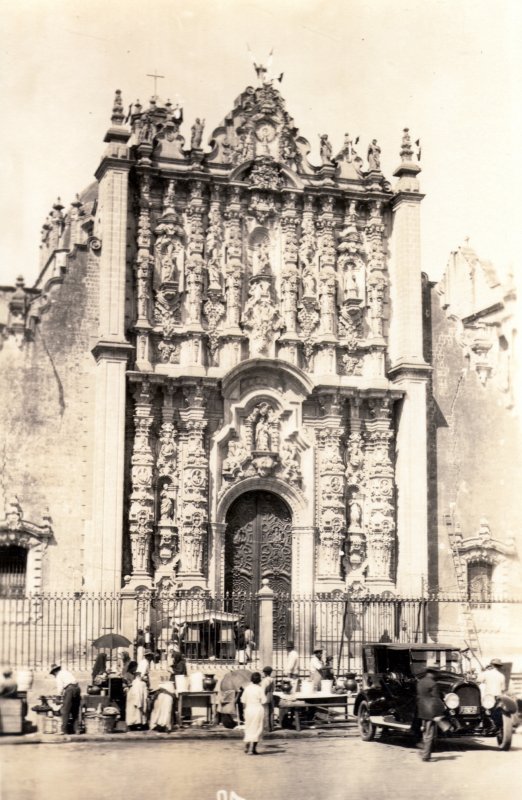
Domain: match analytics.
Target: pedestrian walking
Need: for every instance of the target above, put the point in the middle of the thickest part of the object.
(253, 699)
(67, 687)
(268, 685)
(430, 710)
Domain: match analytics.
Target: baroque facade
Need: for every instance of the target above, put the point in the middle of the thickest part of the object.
(219, 375)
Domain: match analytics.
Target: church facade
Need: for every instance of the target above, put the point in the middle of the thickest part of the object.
(219, 375)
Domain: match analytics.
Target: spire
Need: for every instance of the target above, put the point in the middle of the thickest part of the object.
(118, 114)
(406, 148)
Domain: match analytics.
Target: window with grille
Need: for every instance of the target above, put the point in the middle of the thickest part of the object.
(13, 568)
(479, 581)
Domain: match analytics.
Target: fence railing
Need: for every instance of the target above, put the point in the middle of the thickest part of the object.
(38, 630)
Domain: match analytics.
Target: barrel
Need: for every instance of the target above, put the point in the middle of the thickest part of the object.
(326, 687)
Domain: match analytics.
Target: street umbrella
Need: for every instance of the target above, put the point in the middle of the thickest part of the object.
(110, 641)
(235, 679)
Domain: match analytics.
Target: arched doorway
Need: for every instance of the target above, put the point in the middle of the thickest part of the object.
(258, 544)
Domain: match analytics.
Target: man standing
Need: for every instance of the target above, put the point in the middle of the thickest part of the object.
(492, 680)
(316, 665)
(291, 665)
(67, 687)
(430, 710)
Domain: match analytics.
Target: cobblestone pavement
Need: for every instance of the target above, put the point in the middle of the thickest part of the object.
(333, 769)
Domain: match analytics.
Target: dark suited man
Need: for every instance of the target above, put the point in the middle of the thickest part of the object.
(430, 710)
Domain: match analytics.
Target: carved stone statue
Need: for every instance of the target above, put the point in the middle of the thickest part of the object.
(197, 133)
(309, 285)
(325, 149)
(374, 156)
(262, 433)
(166, 506)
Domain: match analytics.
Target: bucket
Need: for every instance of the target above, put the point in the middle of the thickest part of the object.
(326, 687)
(196, 682)
(307, 687)
(182, 683)
(24, 679)
(95, 724)
(50, 725)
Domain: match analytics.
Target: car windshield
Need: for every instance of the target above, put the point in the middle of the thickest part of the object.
(441, 659)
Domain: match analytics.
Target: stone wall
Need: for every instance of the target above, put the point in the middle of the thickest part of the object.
(46, 418)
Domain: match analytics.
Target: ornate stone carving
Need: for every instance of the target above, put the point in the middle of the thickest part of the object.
(380, 489)
(327, 292)
(289, 290)
(308, 317)
(290, 462)
(350, 324)
(331, 520)
(260, 318)
(377, 277)
(265, 175)
(169, 352)
(141, 516)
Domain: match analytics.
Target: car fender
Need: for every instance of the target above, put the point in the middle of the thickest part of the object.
(506, 704)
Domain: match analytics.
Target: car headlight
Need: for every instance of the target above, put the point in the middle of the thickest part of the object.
(452, 700)
(488, 701)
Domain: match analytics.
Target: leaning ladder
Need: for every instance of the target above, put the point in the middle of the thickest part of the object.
(454, 537)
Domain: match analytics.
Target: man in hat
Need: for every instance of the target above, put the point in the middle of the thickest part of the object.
(316, 665)
(291, 665)
(67, 687)
(492, 679)
(430, 709)
(144, 665)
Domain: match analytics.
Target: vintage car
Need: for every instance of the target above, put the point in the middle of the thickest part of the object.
(387, 700)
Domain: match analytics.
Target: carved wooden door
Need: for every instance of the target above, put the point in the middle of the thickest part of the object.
(258, 544)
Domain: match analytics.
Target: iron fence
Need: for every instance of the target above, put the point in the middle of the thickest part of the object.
(38, 630)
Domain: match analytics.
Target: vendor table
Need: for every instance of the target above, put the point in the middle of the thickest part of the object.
(203, 699)
(298, 704)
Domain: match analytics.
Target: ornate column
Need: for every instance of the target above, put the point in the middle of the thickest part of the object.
(166, 556)
(194, 519)
(233, 278)
(194, 264)
(381, 539)
(289, 280)
(168, 268)
(356, 495)
(141, 512)
(214, 308)
(377, 276)
(332, 529)
(307, 313)
(142, 270)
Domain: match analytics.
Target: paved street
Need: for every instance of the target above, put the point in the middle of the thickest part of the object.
(334, 769)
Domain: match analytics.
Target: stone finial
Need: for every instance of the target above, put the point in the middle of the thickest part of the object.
(118, 114)
(406, 148)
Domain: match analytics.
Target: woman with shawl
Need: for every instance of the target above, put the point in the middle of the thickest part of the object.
(253, 699)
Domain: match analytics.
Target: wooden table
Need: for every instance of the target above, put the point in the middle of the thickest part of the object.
(203, 699)
(298, 704)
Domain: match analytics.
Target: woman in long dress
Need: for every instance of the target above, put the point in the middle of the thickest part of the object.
(136, 705)
(253, 699)
(161, 716)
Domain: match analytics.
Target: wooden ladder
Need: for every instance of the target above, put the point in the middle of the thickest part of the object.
(454, 537)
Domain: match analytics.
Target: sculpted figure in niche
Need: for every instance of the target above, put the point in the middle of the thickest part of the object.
(309, 285)
(166, 506)
(262, 257)
(197, 133)
(236, 457)
(374, 155)
(168, 263)
(262, 437)
(355, 514)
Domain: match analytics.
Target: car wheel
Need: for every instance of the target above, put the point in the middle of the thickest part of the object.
(505, 733)
(366, 728)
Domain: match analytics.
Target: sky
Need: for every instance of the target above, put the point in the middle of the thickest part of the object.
(450, 70)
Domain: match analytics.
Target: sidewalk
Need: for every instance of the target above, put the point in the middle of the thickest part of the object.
(197, 734)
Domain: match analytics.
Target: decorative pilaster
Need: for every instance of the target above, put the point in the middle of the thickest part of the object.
(332, 528)
(141, 513)
(194, 520)
(142, 270)
(195, 264)
(214, 308)
(289, 277)
(166, 557)
(234, 253)
(356, 494)
(381, 540)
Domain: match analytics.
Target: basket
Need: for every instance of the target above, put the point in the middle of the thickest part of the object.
(50, 724)
(94, 724)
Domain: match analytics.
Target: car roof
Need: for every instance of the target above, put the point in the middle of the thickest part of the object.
(411, 646)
